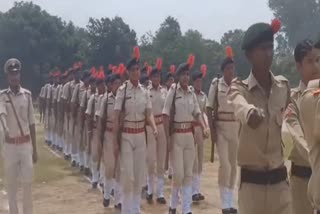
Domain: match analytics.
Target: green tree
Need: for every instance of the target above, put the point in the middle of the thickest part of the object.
(111, 41)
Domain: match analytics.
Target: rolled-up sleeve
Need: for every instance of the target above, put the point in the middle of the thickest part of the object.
(168, 102)
(240, 104)
(211, 95)
(119, 100)
(30, 111)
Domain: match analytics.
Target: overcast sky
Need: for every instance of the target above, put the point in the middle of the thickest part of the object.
(211, 17)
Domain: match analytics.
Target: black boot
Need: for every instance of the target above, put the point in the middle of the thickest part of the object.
(195, 198)
(149, 198)
(94, 185)
(86, 171)
(172, 211)
(106, 202)
(201, 197)
(233, 211)
(117, 206)
(161, 200)
(73, 163)
(226, 211)
(81, 168)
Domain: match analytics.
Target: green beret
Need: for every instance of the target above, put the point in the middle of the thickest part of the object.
(256, 34)
(12, 65)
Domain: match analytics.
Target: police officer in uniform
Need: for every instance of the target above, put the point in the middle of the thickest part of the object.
(181, 143)
(19, 149)
(260, 102)
(224, 132)
(309, 117)
(156, 147)
(300, 166)
(197, 79)
(133, 101)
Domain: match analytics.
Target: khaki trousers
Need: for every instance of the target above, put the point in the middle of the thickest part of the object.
(265, 199)
(183, 153)
(300, 202)
(18, 166)
(108, 156)
(95, 145)
(156, 151)
(227, 147)
(199, 140)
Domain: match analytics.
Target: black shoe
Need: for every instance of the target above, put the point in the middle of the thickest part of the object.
(112, 192)
(60, 149)
(117, 206)
(201, 197)
(106, 202)
(69, 157)
(170, 177)
(149, 198)
(66, 157)
(73, 164)
(233, 211)
(49, 143)
(226, 211)
(94, 185)
(101, 185)
(195, 198)
(86, 171)
(81, 168)
(172, 211)
(161, 200)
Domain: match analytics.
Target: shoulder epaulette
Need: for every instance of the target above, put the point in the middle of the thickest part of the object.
(281, 78)
(240, 82)
(214, 81)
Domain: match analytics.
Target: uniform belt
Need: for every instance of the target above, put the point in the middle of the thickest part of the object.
(18, 140)
(300, 171)
(182, 125)
(134, 124)
(187, 130)
(133, 130)
(270, 177)
(109, 129)
(196, 123)
(109, 126)
(226, 116)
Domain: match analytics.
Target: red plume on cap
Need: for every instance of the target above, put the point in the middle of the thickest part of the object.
(136, 52)
(159, 64)
(172, 69)
(58, 73)
(100, 75)
(146, 64)
(191, 60)
(110, 66)
(229, 52)
(275, 25)
(121, 69)
(114, 69)
(203, 70)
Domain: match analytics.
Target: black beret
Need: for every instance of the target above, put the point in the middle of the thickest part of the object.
(225, 62)
(197, 75)
(143, 78)
(132, 62)
(182, 68)
(154, 71)
(256, 34)
(114, 77)
(86, 74)
(168, 76)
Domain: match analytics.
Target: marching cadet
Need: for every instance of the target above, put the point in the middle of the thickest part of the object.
(43, 98)
(19, 149)
(156, 147)
(60, 113)
(105, 127)
(182, 107)
(224, 132)
(92, 108)
(305, 57)
(260, 102)
(309, 117)
(77, 95)
(132, 109)
(197, 79)
(84, 123)
(68, 89)
(54, 110)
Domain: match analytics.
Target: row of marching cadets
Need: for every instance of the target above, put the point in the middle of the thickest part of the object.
(128, 134)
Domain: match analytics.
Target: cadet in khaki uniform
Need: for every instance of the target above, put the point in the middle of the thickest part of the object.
(300, 167)
(83, 105)
(111, 164)
(92, 108)
(19, 149)
(260, 102)
(77, 95)
(46, 108)
(197, 78)
(309, 117)
(133, 101)
(68, 89)
(53, 110)
(181, 144)
(224, 132)
(156, 147)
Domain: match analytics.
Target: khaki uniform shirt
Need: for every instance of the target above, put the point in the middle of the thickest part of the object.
(85, 98)
(310, 119)
(157, 97)
(186, 104)
(299, 153)
(260, 148)
(110, 108)
(68, 90)
(93, 105)
(78, 92)
(137, 101)
(43, 92)
(22, 102)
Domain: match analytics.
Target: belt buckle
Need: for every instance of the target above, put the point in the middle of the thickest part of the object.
(183, 126)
